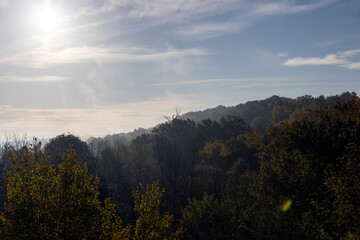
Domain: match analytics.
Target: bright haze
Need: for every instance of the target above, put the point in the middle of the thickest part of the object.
(94, 67)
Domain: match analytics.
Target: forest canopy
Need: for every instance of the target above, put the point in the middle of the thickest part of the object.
(186, 179)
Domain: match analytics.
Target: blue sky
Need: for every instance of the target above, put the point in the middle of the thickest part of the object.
(94, 67)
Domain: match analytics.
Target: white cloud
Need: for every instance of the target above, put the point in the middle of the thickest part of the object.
(248, 12)
(195, 15)
(178, 10)
(340, 59)
(276, 84)
(90, 122)
(349, 53)
(42, 79)
(41, 58)
(327, 60)
(286, 7)
(209, 29)
(240, 82)
(192, 82)
(355, 66)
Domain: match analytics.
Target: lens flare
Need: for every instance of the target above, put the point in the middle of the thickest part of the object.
(286, 205)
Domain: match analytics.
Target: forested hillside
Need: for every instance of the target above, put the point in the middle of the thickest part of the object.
(259, 114)
(273, 169)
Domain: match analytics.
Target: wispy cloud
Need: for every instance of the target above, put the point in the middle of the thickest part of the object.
(286, 7)
(41, 58)
(340, 58)
(355, 66)
(42, 79)
(193, 17)
(209, 29)
(327, 60)
(338, 40)
(179, 10)
(192, 82)
(240, 82)
(247, 13)
(183, 9)
(190, 18)
(276, 84)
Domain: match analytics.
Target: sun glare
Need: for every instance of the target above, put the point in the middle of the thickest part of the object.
(47, 18)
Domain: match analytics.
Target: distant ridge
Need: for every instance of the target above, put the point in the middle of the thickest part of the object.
(260, 113)
(97, 144)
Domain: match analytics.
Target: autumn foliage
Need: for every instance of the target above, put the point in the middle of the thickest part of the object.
(44, 202)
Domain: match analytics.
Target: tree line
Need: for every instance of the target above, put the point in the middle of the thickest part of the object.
(260, 113)
(199, 180)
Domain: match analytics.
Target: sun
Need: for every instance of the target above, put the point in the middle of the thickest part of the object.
(46, 18)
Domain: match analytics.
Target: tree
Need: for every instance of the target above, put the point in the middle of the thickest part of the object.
(48, 203)
(61, 144)
(344, 185)
(151, 225)
(314, 163)
(208, 219)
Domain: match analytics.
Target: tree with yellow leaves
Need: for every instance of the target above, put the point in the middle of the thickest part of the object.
(48, 203)
(151, 225)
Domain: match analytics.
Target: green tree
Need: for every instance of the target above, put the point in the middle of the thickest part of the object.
(313, 163)
(208, 219)
(151, 224)
(344, 186)
(61, 144)
(47, 203)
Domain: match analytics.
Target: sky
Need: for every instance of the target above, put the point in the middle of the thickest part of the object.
(97, 67)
